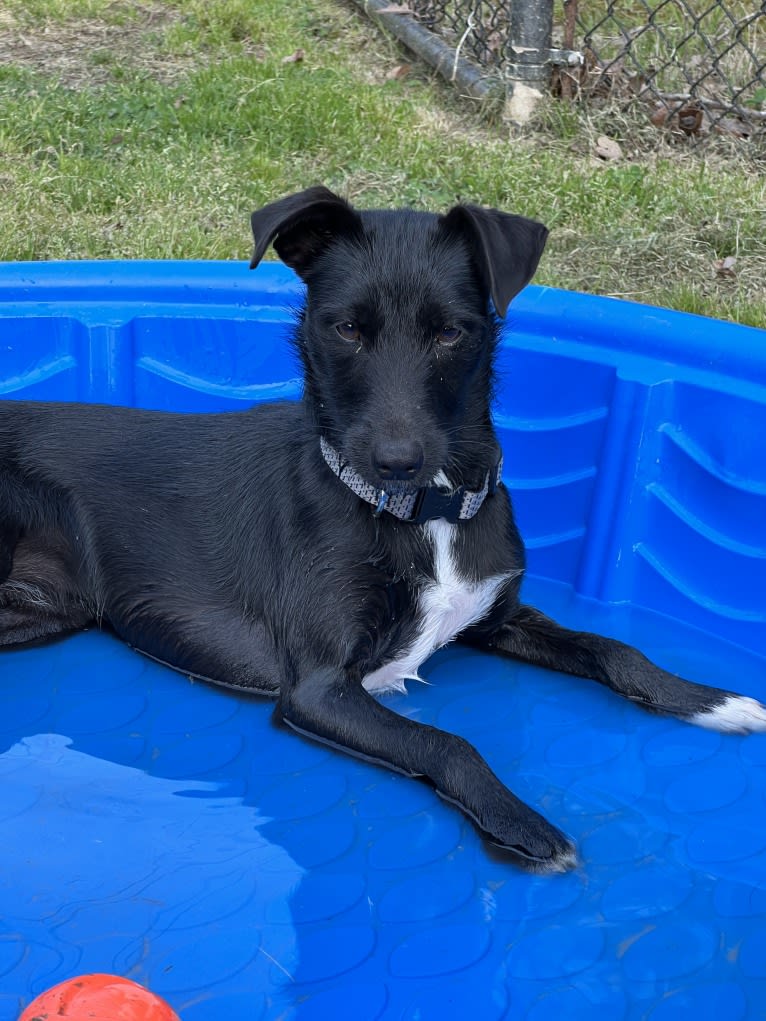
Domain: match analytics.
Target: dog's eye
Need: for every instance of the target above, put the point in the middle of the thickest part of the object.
(449, 335)
(348, 330)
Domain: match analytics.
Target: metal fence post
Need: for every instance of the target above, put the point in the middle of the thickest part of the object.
(698, 68)
(429, 46)
(528, 66)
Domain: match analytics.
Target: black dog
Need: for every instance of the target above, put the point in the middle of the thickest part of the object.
(319, 551)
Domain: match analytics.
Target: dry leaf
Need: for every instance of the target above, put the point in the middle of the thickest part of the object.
(730, 126)
(607, 148)
(590, 60)
(725, 267)
(660, 116)
(495, 41)
(294, 58)
(400, 71)
(690, 119)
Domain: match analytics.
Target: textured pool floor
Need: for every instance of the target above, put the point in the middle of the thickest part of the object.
(168, 831)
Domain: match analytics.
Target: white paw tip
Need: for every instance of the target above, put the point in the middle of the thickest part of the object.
(736, 715)
(564, 862)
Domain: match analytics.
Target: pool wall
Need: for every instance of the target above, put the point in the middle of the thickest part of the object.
(635, 437)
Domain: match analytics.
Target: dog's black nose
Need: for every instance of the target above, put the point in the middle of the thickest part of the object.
(397, 459)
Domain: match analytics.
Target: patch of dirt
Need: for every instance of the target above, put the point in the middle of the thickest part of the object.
(85, 52)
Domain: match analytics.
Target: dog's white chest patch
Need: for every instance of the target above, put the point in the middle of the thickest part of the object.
(446, 607)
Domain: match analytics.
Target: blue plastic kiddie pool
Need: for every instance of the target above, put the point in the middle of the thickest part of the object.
(166, 831)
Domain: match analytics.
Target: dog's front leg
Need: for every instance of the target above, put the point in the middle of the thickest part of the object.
(530, 636)
(334, 708)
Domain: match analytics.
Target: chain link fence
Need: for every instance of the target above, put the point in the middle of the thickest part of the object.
(699, 66)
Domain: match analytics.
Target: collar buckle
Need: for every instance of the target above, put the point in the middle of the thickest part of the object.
(433, 502)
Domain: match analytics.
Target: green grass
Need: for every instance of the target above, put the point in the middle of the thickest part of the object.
(152, 130)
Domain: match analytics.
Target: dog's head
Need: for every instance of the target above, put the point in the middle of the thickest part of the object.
(397, 334)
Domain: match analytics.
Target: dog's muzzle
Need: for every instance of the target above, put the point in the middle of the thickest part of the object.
(418, 505)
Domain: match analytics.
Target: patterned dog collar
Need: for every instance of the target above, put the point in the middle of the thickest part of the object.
(418, 505)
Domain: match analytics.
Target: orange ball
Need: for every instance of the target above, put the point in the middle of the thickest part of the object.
(99, 998)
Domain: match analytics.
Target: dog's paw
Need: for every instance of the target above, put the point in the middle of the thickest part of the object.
(560, 859)
(542, 849)
(737, 714)
(513, 832)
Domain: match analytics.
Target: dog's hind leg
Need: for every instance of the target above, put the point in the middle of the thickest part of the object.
(205, 643)
(38, 598)
(334, 708)
(25, 625)
(530, 636)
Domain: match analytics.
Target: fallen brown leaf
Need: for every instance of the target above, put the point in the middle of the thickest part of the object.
(400, 71)
(495, 42)
(294, 58)
(607, 148)
(690, 119)
(730, 126)
(725, 267)
(660, 116)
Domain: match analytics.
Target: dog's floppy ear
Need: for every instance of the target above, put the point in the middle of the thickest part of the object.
(507, 248)
(301, 225)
